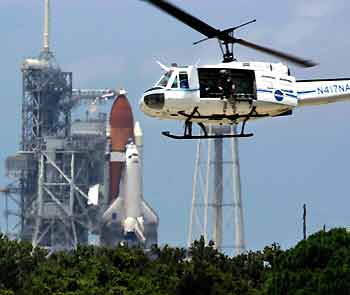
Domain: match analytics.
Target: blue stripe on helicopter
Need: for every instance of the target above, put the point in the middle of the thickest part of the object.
(264, 90)
(306, 92)
(259, 90)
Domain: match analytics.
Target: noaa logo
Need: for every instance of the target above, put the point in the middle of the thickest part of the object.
(279, 95)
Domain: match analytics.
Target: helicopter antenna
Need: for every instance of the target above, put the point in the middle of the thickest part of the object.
(226, 37)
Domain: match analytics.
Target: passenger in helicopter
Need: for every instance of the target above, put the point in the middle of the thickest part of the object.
(227, 85)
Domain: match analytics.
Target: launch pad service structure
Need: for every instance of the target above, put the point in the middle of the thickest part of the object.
(76, 178)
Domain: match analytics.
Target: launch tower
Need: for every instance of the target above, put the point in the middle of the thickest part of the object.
(72, 165)
(59, 159)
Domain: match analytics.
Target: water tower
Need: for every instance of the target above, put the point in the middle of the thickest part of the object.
(216, 208)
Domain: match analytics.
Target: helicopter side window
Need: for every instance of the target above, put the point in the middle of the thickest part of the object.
(176, 82)
(165, 79)
(184, 80)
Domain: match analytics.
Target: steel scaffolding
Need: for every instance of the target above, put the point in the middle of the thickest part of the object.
(59, 160)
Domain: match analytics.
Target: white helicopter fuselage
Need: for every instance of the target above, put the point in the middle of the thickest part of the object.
(266, 88)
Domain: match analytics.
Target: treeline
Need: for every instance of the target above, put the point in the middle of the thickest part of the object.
(319, 265)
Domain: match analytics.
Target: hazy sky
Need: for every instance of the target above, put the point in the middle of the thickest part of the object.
(112, 43)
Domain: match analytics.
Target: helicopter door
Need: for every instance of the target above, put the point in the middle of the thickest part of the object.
(214, 83)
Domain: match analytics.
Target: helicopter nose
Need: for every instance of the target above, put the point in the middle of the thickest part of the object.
(153, 101)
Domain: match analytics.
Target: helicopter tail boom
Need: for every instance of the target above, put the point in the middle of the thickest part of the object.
(318, 92)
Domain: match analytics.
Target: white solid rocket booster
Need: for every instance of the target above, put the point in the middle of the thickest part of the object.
(129, 211)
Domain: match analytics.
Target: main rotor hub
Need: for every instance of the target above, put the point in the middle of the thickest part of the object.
(226, 44)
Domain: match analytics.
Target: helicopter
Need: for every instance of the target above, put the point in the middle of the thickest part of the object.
(232, 92)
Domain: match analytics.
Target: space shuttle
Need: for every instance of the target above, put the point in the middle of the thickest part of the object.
(128, 218)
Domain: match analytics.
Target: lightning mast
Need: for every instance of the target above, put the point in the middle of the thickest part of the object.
(46, 38)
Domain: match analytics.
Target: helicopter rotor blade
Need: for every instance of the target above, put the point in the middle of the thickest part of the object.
(240, 26)
(210, 32)
(185, 17)
(200, 41)
(286, 56)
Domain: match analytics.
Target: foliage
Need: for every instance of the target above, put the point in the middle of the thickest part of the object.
(319, 265)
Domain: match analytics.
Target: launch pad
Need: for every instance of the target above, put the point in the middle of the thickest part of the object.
(63, 175)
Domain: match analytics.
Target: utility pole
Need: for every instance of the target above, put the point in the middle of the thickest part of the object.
(304, 221)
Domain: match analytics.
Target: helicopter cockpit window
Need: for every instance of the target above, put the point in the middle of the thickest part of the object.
(176, 82)
(220, 83)
(165, 79)
(184, 80)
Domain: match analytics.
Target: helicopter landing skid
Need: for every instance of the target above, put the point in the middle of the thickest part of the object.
(188, 128)
(187, 136)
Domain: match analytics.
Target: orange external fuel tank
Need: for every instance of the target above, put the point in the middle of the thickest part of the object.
(121, 131)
